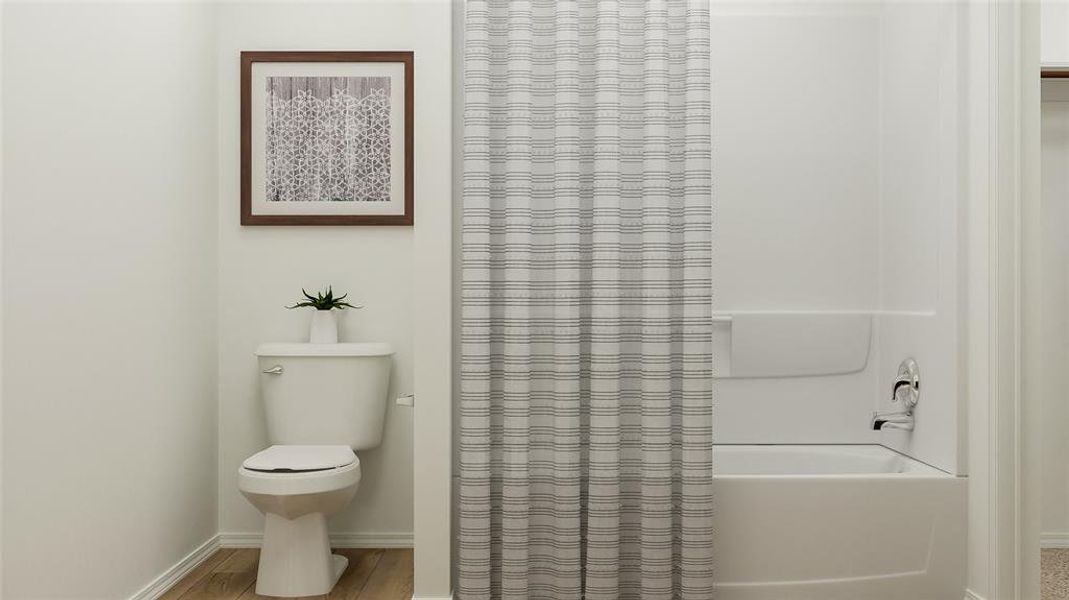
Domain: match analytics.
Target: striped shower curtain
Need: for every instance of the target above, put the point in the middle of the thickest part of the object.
(585, 412)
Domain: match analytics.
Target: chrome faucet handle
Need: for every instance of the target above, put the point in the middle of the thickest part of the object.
(907, 386)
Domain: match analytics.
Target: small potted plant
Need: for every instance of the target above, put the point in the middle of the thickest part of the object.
(324, 328)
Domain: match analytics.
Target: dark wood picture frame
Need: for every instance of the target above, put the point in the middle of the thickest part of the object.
(248, 58)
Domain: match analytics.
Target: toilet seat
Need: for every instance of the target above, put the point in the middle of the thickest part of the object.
(293, 470)
(293, 458)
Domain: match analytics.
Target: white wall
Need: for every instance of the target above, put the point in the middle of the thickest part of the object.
(434, 254)
(263, 268)
(1054, 33)
(156, 309)
(109, 294)
(1055, 297)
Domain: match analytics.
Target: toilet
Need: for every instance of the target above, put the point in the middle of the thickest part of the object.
(323, 403)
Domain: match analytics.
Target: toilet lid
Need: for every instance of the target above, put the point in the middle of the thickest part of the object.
(300, 458)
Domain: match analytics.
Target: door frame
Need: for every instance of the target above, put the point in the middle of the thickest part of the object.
(1002, 381)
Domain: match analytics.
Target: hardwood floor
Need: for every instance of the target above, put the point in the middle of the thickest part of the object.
(230, 574)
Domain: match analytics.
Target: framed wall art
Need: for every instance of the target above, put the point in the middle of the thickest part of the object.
(326, 138)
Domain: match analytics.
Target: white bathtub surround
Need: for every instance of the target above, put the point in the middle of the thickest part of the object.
(586, 323)
(835, 523)
(323, 328)
(763, 344)
(847, 260)
(921, 225)
(796, 239)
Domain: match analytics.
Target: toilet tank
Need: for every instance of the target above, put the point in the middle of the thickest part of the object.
(325, 393)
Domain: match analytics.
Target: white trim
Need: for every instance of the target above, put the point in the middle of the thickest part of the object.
(449, 597)
(981, 349)
(372, 540)
(1004, 266)
(1032, 372)
(432, 309)
(171, 576)
(1054, 540)
(1, 323)
(971, 595)
(1004, 144)
(1003, 153)
(1036, 373)
(337, 540)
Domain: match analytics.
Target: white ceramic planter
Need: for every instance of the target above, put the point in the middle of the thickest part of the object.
(324, 329)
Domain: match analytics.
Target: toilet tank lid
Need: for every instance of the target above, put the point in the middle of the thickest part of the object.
(300, 458)
(348, 349)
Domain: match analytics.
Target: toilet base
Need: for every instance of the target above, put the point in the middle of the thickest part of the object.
(295, 558)
(340, 564)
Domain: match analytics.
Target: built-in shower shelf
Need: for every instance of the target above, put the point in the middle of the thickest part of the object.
(790, 344)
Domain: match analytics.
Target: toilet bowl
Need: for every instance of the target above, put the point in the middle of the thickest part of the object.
(297, 488)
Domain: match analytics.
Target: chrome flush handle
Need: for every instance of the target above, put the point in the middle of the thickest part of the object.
(275, 370)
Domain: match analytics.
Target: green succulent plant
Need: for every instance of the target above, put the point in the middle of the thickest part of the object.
(324, 301)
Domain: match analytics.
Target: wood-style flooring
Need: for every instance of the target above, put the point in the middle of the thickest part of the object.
(375, 574)
(230, 574)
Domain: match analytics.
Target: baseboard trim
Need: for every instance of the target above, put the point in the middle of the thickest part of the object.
(1054, 540)
(337, 540)
(971, 595)
(449, 597)
(171, 576)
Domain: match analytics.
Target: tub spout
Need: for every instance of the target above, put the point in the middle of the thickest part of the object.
(902, 420)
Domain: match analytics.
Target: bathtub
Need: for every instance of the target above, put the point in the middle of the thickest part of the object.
(835, 522)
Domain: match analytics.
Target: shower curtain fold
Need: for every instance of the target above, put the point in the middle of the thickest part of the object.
(585, 412)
